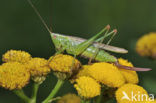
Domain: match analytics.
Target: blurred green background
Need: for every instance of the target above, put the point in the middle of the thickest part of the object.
(20, 28)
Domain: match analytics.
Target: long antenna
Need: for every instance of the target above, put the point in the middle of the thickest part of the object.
(38, 14)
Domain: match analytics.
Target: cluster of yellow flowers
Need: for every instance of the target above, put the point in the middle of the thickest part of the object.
(88, 80)
(91, 78)
(105, 74)
(18, 67)
(146, 45)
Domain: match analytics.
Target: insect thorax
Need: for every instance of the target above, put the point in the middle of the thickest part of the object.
(62, 42)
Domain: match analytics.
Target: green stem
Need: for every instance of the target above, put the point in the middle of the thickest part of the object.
(88, 101)
(58, 85)
(98, 100)
(83, 101)
(34, 92)
(22, 95)
(100, 97)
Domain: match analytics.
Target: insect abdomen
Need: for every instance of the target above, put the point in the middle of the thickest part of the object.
(101, 56)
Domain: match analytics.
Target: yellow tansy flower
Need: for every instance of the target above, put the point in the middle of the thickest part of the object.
(130, 76)
(125, 94)
(147, 101)
(70, 98)
(16, 56)
(107, 74)
(153, 101)
(38, 66)
(64, 63)
(87, 87)
(83, 71)
(146, 45)
(13, 75)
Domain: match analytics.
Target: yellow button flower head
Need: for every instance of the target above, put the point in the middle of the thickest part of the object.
(107, 74)
(149, 101)
(153, 101)
(38, 67)
(83, 71)
(146, 45)
(130, 76)
(13, 75)
(87, 87)
(125, 94)
(16, 56)
(70, 98)
(64, 63)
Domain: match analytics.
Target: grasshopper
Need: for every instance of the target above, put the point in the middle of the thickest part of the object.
(91, 48)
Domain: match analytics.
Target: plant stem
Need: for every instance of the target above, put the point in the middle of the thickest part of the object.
(83, 101)
(34, 92)
(88, 101)
(58, 85)
(98, 100)
(22, 95)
